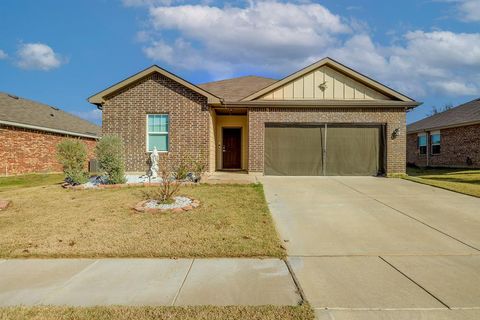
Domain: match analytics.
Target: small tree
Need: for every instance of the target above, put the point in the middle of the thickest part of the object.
(109, 153)
(169, 186)
(72, 154)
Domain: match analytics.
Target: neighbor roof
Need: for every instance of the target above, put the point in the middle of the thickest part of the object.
(20, 112)
(465, 114)
(99, 98)
(237, 88)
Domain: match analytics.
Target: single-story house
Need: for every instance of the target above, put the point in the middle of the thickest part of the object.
(325, 119)
(446, 139)
(30, 132)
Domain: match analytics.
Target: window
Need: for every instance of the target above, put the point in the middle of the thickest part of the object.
(422, 143)
(435, 142)
(157, 132)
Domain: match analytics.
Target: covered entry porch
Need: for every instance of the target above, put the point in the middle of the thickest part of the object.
(230, 139)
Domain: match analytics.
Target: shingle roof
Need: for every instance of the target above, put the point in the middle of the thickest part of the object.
(22, 111)
(463, 114)
(237, 88)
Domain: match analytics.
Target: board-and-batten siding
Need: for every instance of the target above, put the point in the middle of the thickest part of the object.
(337, 87)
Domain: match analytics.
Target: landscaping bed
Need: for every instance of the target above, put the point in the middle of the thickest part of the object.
(303, 312)
(49, 221)
(458, 180)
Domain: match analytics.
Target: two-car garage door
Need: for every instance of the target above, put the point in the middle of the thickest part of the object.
(315, 150)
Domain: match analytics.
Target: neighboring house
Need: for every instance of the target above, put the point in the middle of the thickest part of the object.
(325, 119)
(30, 132)
(446, 139)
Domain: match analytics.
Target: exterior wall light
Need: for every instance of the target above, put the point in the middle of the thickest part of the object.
(395, 133)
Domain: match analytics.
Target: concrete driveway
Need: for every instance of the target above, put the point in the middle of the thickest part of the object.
(376, 248)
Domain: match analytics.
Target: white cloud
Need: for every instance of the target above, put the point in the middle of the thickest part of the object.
(280, 38)
(228, 37)
(38, 56)
(3, 55)
(469, 10)
(93, 115)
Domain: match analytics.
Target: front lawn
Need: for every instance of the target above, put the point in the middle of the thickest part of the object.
(459, 180)
(30, 180)
(303, 312)
(49, 221)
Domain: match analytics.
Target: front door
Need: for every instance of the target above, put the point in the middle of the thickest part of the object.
(231, 148)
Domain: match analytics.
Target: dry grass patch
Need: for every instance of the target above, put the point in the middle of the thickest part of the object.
(48, 221)
(458, 180)
(303, 312)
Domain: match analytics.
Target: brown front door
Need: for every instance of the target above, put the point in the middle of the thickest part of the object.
(231, 148)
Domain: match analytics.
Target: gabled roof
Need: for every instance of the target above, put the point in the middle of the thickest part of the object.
(24, 113)
(98, 98)
(237, 88)
(339, 67)
(464, 114)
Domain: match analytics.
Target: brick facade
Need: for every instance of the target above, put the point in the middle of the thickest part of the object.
(457, 144)
(32, 151)
(392, 117)
(125, 114)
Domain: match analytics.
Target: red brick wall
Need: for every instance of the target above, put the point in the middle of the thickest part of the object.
(456, 145)
(392, 117)
(31, 151)
(124, 114)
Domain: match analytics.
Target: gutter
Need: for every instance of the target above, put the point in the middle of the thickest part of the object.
(319, 103)
(28, 126)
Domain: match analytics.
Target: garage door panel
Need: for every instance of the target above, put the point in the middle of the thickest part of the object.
(352, 151)
(294, 151)
(299, 150)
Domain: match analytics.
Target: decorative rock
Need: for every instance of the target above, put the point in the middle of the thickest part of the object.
(180, 204)
(4, 204)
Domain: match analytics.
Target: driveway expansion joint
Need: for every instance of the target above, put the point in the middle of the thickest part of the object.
(416, 283)
(296, 281)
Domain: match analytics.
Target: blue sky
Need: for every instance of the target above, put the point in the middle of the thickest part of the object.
(61, 52)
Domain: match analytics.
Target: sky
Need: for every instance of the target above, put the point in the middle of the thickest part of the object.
(61, 52)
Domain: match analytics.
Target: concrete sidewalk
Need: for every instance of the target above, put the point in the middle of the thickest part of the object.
(166, 282)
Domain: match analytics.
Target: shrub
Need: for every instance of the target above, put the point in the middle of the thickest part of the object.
(72, 154)
(169, 186)
(109, 154)
(188, 166)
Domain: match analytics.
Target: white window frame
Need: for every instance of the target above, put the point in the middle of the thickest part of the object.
(167, 133)
(436, 144)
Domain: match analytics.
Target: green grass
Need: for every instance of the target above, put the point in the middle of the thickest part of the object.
(303, 312)
(30, 180)
(458, 180)
(52, 222)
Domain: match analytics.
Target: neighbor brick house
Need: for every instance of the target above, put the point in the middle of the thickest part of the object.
(325, 119)
(30, 132)
(446, 139)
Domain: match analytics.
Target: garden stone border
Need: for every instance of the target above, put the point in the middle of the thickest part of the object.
(140, 207)
(118, 186)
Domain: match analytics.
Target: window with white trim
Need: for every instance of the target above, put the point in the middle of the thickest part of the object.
(157, 132)
(435, 142)
(422, 143)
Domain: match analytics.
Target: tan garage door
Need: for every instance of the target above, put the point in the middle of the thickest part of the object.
(308, 150)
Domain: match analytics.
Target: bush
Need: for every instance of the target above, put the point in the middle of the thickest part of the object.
(189, 166)
(72, 154)
(109, 153)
